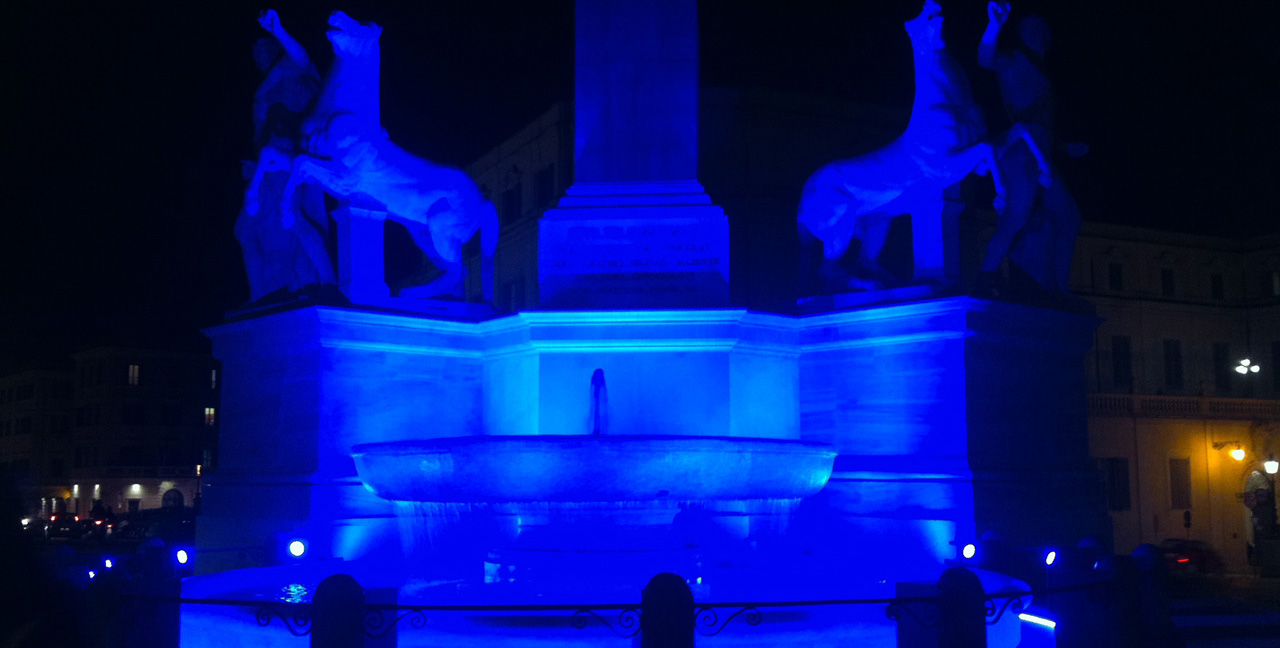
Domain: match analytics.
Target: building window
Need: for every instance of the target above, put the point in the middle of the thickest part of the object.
(511, 204)
(1166, 282)
(133, 375)
(1223, 368)
(1115, 276)
(1115, 477)
(213, 379)
(1173, 364)
(545, 186)
(210, 417)
(1180, 484)
(1217, 286)
(1121, 362)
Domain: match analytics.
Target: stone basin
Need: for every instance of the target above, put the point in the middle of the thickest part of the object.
(598, 468)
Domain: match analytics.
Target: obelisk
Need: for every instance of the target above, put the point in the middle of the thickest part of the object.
(635, 230)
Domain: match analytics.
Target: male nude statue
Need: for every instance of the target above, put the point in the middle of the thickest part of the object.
(275, 256)
(1036, 203)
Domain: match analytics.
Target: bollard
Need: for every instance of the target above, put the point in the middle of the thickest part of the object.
(1124, 602)
(666, 613)
(337, 613)
(1153, 584)
(962, 613)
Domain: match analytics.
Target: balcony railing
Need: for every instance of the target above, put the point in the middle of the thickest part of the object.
(1147, 405)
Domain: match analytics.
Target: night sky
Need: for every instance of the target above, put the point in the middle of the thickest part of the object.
(125, 124)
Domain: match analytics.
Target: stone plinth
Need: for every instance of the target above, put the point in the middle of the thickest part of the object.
(953, 417)
(300, 388)
(638, 245)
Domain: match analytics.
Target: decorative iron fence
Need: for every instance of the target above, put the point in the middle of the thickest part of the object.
(627, 620)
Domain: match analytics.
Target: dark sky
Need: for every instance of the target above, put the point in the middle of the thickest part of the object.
(125, 123)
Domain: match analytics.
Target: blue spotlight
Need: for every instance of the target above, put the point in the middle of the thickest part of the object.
(297, 548)
(182, 556)
(107, 563)
(1050, 557)
(91, 574)
(1041, 621)
(970, 550)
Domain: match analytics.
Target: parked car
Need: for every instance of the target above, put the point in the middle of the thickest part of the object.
(1190, 557)
(65, 525)
(34, 526)
(174, 526)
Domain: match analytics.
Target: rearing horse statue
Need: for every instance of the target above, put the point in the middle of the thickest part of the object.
(859, 197)
(347, 152)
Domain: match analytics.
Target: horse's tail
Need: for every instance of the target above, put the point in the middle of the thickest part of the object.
(488, 245)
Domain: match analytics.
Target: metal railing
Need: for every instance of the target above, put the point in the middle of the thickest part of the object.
(626, 619)
(1157, 406)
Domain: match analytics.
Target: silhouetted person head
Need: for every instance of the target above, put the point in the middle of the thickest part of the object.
(1034, 32)
(266, 51)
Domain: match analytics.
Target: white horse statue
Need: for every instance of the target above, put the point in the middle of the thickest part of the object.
(347, 152)
(859, 197)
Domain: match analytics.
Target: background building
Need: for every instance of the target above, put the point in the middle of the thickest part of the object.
(1167, 404)
(35, 434)
(122, 426)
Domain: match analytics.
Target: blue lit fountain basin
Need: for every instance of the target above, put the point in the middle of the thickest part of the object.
(601, 468)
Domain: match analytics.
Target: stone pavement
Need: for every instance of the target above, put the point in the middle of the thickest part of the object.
(1237, 611)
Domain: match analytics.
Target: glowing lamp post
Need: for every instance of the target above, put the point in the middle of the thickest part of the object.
(1238, 453)
(1246, 366)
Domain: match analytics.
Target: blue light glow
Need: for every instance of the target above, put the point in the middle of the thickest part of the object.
(181, 556)
(107, 563)
(969, 551)
(91, 574)
(1050, 557)
(297, 548)
(1041, 621)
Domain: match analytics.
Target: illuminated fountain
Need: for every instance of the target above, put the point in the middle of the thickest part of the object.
(443, 454)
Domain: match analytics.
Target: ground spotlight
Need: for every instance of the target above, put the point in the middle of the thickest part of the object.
(182, 556)
(297, 548)
(970, 550)
(1050, 557)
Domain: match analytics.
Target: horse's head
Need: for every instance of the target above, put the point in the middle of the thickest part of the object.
(925, 30)
(350, 38)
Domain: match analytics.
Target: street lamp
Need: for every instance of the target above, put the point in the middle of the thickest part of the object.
(1246, 366)
(1271, 465)
(1237, 454)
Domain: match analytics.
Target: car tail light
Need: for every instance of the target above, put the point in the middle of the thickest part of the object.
(53, 518)
(1184, 560)
(77, 518)
(97, 522)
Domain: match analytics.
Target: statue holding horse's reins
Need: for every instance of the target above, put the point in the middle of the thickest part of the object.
(944, 141)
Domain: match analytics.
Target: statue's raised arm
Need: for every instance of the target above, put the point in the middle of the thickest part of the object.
(277, 254)
(270, 21)
(997, 16)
